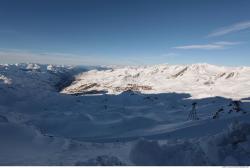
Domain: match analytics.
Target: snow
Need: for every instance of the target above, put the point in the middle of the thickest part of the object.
(208, 80)
(220, 149)
(64, 115)
(5, 80)
(33, 67)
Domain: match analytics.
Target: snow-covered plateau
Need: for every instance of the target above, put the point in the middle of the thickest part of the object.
(130, 115)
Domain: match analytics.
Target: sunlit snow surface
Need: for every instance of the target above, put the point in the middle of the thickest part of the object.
(62, 115)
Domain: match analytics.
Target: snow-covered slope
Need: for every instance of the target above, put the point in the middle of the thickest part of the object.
(62, 115)
(200, 80)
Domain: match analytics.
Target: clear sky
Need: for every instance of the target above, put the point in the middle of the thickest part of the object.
(125, 31)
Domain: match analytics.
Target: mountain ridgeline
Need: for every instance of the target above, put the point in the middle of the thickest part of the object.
(200, 80)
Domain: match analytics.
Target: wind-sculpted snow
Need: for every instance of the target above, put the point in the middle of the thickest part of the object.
(230, 147)
(63, 115)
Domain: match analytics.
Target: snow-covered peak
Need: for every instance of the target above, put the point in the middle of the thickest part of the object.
(4, 79)
(201, 80)
(33, 67)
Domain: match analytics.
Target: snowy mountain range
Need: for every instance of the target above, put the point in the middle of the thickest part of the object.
(200, 80)
(141, 115)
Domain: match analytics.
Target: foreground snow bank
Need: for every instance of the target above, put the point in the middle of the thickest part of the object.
(230, 147)
(103, 160)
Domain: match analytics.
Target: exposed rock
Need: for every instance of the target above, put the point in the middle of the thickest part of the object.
(180, 73)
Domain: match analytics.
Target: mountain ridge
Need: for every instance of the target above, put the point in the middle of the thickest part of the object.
(225, 81)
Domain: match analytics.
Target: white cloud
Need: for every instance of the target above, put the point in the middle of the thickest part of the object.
(225, 43)
(22, 56)
(212, 46)
(26, 56)
(202, 46)
(230, 29)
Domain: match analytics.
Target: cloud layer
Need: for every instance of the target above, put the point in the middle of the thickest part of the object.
(230, 29)
(212, 46)
(21, 56)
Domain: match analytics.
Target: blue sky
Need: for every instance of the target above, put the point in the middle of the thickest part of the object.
(125, 31)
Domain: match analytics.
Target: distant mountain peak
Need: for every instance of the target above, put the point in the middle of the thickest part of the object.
(198, 79)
